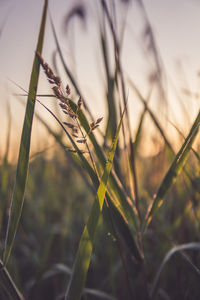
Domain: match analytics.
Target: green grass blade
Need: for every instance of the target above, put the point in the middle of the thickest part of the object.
(152, 115)
(4, 173)
(123, 229)
(174, 250)
(139, 130)
(115, 185)
(82, 261)
(22, 166)
(98, 294)
(173, 171)
(69, 74)
(111, 105)
(114, 182)
(8, 285)
(118, 218)
(67, 71)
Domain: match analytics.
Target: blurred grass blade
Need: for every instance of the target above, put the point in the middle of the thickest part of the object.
(118, 219)
(22, 166)
(5, 165)
(98, 294)
(114, 182)
(83, 256)
(8, 285)
(117, 215)
(120, 224)
(139, 130)
(111, 105)
(141, 121)
(173, 171)
(174, 250)
(156, 122)
(69, 74)
(67, 71)
(182, 135)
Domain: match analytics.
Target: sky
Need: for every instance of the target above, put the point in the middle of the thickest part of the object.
(175, 25)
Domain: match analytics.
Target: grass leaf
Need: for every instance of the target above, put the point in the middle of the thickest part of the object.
(82, 261)
(22, 166)
(173, 171)
(174, 250)
(8, 285)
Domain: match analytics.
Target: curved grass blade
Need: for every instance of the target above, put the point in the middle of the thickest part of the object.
(173, 171)
(98, 294)
(67, 71)
(5, 165)
(156, 122)
(174, 250)
(83, 256)
(114, 182)
(22, 166)
(8, 285)
(118, 218)
(182, 135)
(139, 130)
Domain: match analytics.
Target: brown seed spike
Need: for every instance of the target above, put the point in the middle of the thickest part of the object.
(80, 101)
(92, 125)
(70, 125)
(75, 129)
(58, 93)
(63, 106)
(57, 80)
(99, 120)
(83, 141)
(68, 90)
(72, 150)
(95, 126)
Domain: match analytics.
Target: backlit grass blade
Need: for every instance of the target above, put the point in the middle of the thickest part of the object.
(83, 256)
(98, 294)
(139, 130)
(152, 115)
(111, 105)
(7, 284)
(22, 165)
(118, 218)
(69, 74)
(174, 250)
(114, 182)
(173, 171)
(67, 71)
(5, 165)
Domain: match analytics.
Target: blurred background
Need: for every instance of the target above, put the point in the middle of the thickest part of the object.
(159, 54)
(173, 54)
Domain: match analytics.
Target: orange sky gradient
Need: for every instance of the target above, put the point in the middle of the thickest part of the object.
(176, 29)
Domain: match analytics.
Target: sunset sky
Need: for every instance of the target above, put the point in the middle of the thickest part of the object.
(176, 26)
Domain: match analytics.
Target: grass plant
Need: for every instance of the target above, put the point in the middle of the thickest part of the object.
(139, 217)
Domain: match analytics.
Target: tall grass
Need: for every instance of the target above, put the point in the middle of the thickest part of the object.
(139, 217)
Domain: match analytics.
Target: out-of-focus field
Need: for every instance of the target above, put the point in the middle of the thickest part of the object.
(142, 237)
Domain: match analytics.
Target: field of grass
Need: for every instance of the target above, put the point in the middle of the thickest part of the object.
(96, 219)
